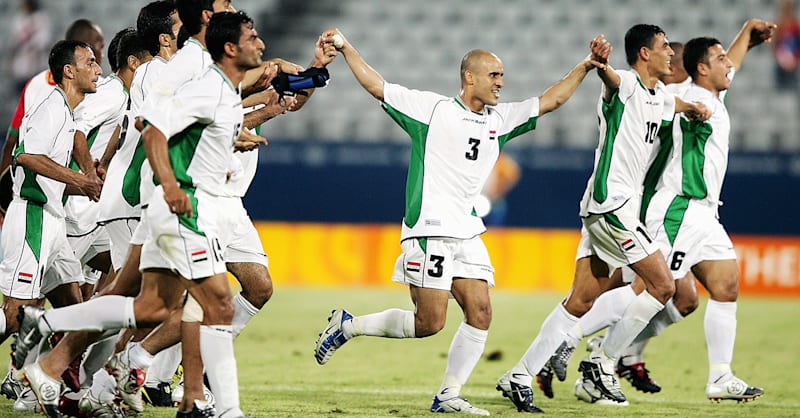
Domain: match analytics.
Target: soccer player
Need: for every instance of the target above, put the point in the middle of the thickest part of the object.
(35, 239)
(632, 107)
(455, 143)
(187, 224)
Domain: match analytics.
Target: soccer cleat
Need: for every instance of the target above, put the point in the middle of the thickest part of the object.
(46, 389)
(199, 410)
(732, 388)
(333, 336)
(587, 392)
(94, 407)
(161, 395)
(26, 401)
(457, 405)
(638, 376)
(11, 387)
(560, 360)
(545, 380)
(129, 380)
(600, 371)
(28, 336)
(519, 394)
(177, 394)
(594, 343)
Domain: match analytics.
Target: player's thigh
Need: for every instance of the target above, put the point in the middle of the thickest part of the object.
(431, 309)
(473, 297)
(619, 238)
(213, 294)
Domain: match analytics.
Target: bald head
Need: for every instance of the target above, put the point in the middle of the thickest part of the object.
(474, 60)
(84, 30)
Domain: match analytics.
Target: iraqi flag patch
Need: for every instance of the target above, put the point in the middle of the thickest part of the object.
(413, 266)
(198, 256)
(492, 135)
(627, 245)
(25, 277)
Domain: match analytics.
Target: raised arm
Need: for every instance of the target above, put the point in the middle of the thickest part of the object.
(754, 32)
(370, 79)
(601, 50)
(557, 94)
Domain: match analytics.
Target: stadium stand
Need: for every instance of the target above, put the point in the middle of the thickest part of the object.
(419, 43)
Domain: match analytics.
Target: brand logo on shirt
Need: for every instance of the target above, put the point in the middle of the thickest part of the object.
(199, 256)
(433, 222)
(473, 120)
(25, 277)
(413, 266)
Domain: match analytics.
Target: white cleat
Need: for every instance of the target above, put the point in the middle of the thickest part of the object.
(457, 405)
(586, 391)
(46, 389)
(129, 380)
(730, 387)
(332, 337)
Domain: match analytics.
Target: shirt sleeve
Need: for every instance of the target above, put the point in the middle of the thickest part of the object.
(97, 109)
(192, 103)
(16, 121)
(41, 131)
(414, 104)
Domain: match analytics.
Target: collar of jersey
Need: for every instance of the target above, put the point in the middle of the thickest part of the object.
(192, 40)
(224, 77)
(464, 106)
(64, 96)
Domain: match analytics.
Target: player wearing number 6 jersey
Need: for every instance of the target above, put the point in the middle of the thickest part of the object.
(455, 142)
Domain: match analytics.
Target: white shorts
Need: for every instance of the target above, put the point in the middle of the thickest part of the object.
(687, 231)
(617, 238)
(245, 245)
(190, 247)
(36, 255)
(88, 245)
(432, 263)
(120, 235)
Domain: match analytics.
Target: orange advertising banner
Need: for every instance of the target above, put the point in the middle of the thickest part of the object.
(524, 259)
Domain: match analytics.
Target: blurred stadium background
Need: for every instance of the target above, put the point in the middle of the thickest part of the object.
(333, 174)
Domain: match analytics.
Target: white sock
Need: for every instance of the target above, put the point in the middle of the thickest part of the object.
(96, 357)
(633, 321)
(216, 350)
(465, 351)
(607, 309)
(243, 312)
(98, 314)
(164, 365)
(633, 353)
(139, 357)
(391, 323)
(2, 323)
(666, 317)
(104, 387)
(552, 333)
(720, 329)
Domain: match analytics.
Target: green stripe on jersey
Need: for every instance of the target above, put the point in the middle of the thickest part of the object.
(34, 223)
(30, 189)
(612, 112)
(423, 243)
(529, 125)
(693, 157)
(132, 179)
(186, 221)
(674, 217)
(182, 147)
(418, 132)
(657, 167)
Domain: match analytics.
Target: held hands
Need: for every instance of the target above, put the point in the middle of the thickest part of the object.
(248, 141)
(600, 51)
(697, 111)
(91, 186)
(324, 52)
(761, 31)
(177, 200)
(335, 38)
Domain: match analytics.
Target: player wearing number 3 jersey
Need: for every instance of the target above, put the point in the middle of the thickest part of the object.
(455, 142)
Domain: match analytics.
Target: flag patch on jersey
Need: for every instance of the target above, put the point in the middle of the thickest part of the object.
(199, 256)
(25, 277)
(492, 135)
(413, 266)
(628, 245)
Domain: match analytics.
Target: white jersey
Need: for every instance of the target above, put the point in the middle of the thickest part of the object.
(189, 63)
(49, 130)
(124, 189)
(97, 116)
(677, 89)
(453, 150)
(629, 125)
(202, 121)
(700, 155)
(37, 88)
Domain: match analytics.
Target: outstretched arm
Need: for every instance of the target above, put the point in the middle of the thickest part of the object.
(754, 32)
(370, 79)
(557, 94)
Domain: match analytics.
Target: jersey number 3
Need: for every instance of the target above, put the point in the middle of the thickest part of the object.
(472, 154)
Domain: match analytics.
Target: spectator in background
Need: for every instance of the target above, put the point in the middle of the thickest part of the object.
(504, 176)
(786, 46)
(30, 42)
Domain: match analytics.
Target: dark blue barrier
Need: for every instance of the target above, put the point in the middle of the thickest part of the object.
(363, 183)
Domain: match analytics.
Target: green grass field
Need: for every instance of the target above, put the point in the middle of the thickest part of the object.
(372, 377)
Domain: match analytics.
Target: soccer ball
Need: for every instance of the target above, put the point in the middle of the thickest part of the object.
(585, 391)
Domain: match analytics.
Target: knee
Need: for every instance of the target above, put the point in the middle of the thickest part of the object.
(150, 313)
(427, 325)
(686, 304)
(218, 313)
(663, 290)
(577, 305)
(258, 292)
(728, 291)
(480, 317)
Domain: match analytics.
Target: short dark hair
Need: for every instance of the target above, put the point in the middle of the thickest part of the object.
(191, 12)
(113, 47)
(155, 19)
(130, 43)
(696, 51)
(80, 30)
(224, 27)
(639, 36)
(63, 53)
